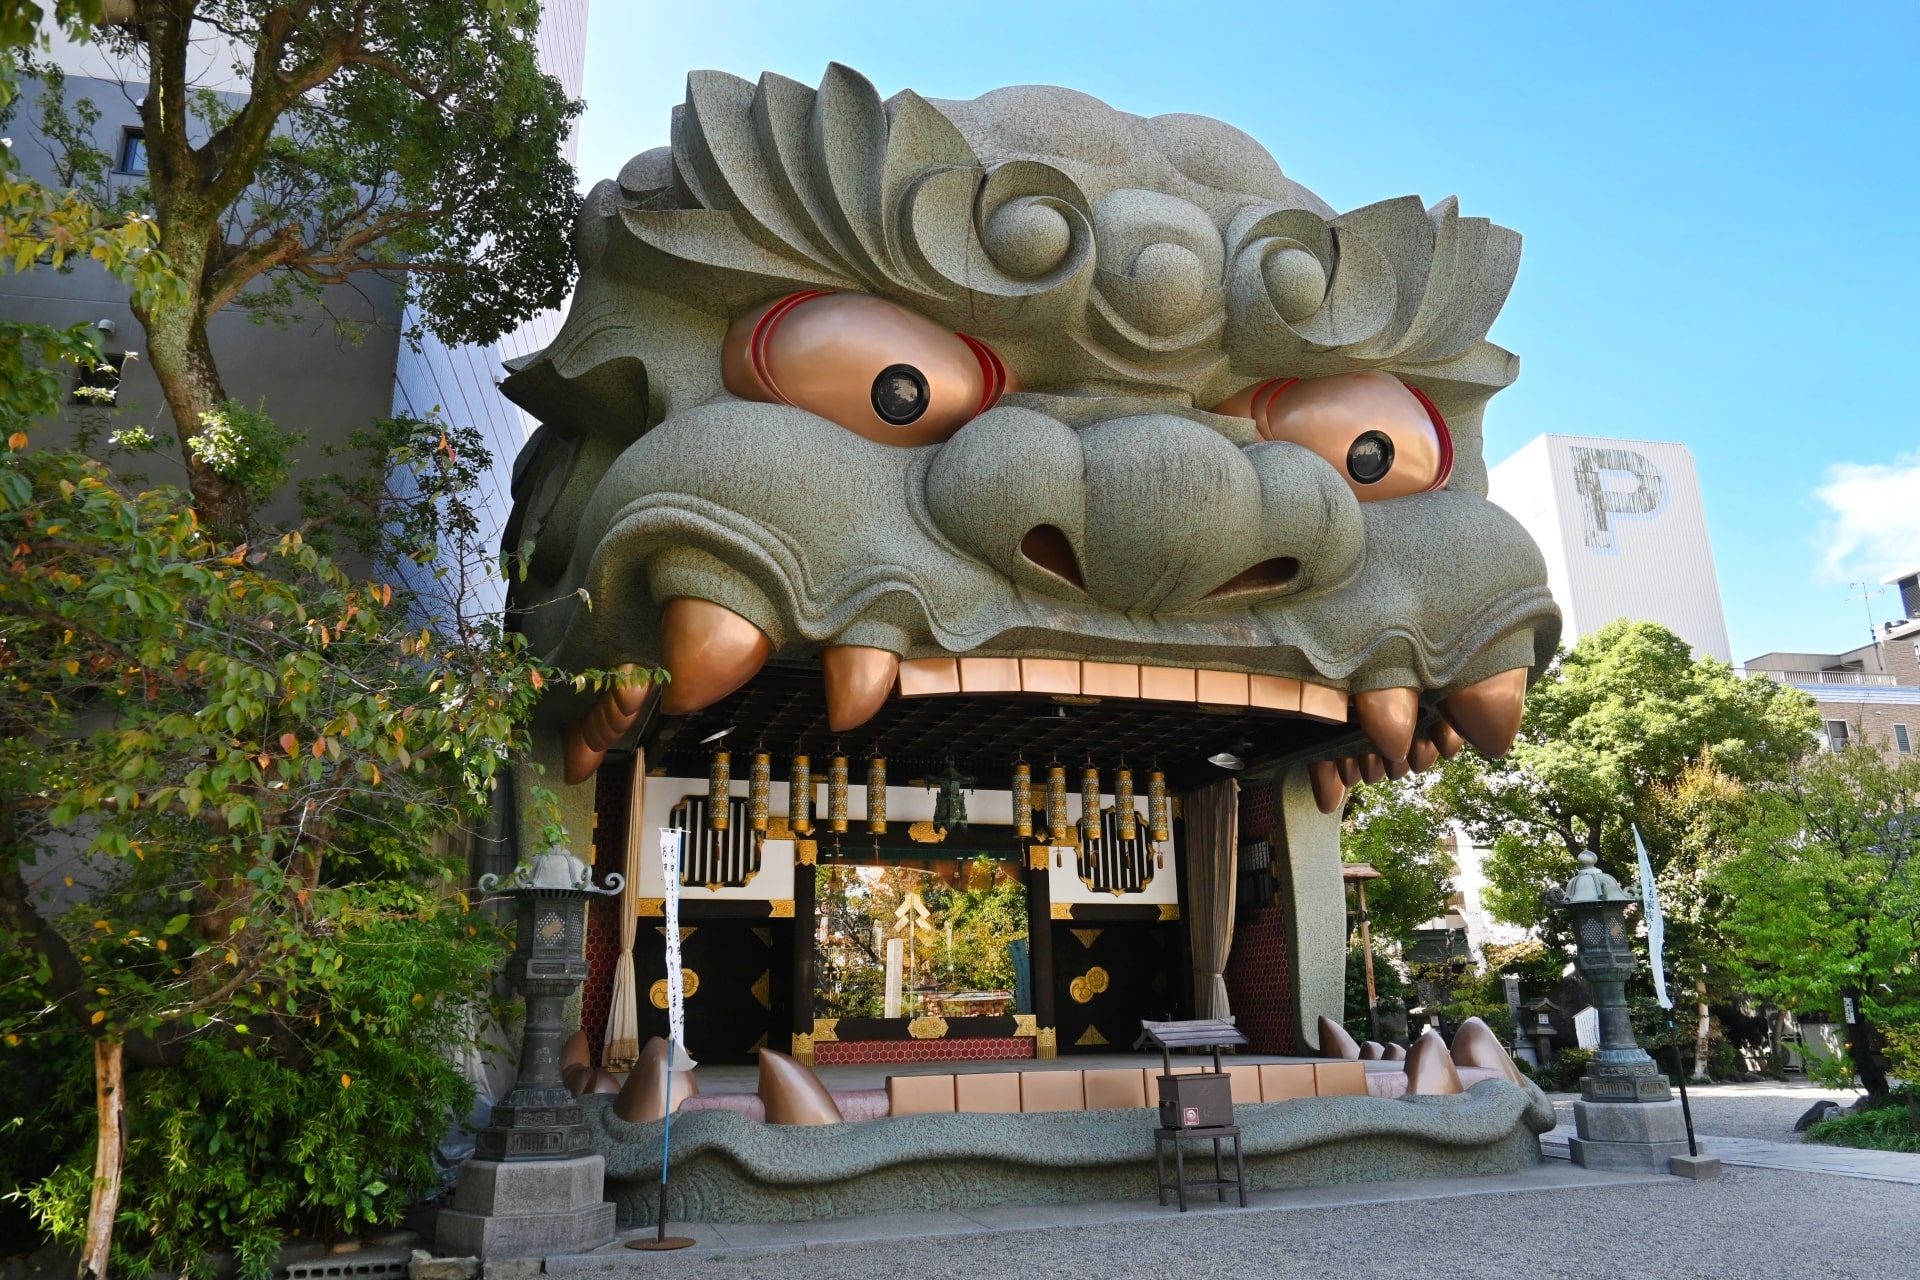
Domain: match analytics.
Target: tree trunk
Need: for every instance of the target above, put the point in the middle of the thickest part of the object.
(110, 1102)
(1703, 1032)
(1860, 1048)
(182, 361)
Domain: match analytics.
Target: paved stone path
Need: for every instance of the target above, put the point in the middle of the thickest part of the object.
(1793, 1157)
(739, 1240)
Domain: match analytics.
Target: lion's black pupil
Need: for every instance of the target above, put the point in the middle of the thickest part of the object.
(900, 394)
(1370, 457)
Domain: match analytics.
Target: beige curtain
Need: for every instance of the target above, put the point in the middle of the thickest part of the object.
(623, 1019)
(1213, 838)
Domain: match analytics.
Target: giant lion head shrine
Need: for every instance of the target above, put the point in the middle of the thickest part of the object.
(1043, 514)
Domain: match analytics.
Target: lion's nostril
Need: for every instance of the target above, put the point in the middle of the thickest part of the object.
(1268, 575)
(1048, 548)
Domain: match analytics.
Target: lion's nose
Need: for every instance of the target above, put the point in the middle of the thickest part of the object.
(1149, 513)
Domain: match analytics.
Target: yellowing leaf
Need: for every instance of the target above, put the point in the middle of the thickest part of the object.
(346, 1081)
(99, 1016)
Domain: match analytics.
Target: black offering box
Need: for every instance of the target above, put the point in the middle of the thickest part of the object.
(1197, 1100)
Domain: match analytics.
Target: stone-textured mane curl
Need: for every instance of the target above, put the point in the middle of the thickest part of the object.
(1170, 251)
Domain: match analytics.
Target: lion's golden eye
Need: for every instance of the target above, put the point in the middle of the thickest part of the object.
(873, 367)
(1385, 437)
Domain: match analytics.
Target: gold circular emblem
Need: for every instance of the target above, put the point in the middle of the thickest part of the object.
(1078, 990)
(1097, 980)
(927, 1028)
(689, 983)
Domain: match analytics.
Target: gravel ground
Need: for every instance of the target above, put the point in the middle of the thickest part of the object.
(1766, 1111)
(1752, 1222)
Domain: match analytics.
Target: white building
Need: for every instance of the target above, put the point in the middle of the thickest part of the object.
(1623, 531)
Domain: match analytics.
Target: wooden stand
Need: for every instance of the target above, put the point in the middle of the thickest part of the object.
(1181, 1184)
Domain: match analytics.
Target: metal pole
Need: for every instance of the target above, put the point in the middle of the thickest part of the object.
(1680, 1074)
(666, 1140)
(1366, 954)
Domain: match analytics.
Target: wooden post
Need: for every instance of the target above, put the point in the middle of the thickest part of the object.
(1040, 948)
(1366, 954)
(804, 889)
(110, 1103)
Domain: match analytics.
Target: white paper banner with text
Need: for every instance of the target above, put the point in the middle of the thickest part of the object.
(670, 840)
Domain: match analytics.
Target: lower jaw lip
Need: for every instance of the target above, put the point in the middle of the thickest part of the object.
(934, 677)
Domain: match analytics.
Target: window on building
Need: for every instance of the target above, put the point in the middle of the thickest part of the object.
(99, 385)
(133, 152)
(1837, 734)
(1901, 739)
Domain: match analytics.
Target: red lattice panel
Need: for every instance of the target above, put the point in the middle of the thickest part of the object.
(1259, 812)
(610, 795)
(1260, 981)
(836, 1053)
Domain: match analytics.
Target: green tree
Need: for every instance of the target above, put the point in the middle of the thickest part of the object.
(253, 763)
(1610, 732)
(1823, 899)
(416, 140)
(1397, 829)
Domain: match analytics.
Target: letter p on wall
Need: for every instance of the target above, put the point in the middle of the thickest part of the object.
(1613, 482)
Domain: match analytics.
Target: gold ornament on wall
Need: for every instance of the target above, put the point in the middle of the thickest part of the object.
(1123, 803)
(719, 787)
(759, 787)
(1057, 827)
(800, 797)
(1089, 803)
(1022, 800)
(1159, 819)
(689, 983)
(837, 794)
(877, 795)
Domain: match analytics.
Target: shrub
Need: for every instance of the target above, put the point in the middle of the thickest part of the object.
(1892, 1127)
(320, 1127)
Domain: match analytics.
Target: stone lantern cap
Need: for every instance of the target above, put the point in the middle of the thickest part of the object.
(555, 871)
(1589, 884)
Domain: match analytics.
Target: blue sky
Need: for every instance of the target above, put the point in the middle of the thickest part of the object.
(1718, 200)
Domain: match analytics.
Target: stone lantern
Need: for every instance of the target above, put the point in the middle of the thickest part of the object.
(1627, 1116)
(533, 1186)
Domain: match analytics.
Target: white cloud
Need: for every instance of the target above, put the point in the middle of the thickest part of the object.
(1873, 528)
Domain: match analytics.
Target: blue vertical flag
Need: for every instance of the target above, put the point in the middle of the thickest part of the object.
(1656, 923)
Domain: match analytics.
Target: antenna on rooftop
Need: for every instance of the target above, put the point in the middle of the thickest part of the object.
(1866, 598)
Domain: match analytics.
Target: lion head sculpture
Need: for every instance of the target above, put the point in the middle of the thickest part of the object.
(870, 383)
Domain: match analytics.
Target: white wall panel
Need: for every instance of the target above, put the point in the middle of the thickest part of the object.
(1624, 533)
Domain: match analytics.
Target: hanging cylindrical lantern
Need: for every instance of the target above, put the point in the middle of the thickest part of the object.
(1123, 803)
(1159, 817)
(759, 787)
(877, 795)
(800, 797)
(1057, 828)
(1090, 803)
(1022, 800)
(719, 786)
(837, 794)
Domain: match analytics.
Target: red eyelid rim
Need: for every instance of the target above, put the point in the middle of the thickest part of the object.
(764, 330)
(993, 373)
(1262, 397)
(1440, 429)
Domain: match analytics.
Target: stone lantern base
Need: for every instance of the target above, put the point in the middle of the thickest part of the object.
(526, 1209)
(1627, 1119)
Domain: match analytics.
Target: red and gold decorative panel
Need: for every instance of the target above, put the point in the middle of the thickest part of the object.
(835, 1053)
